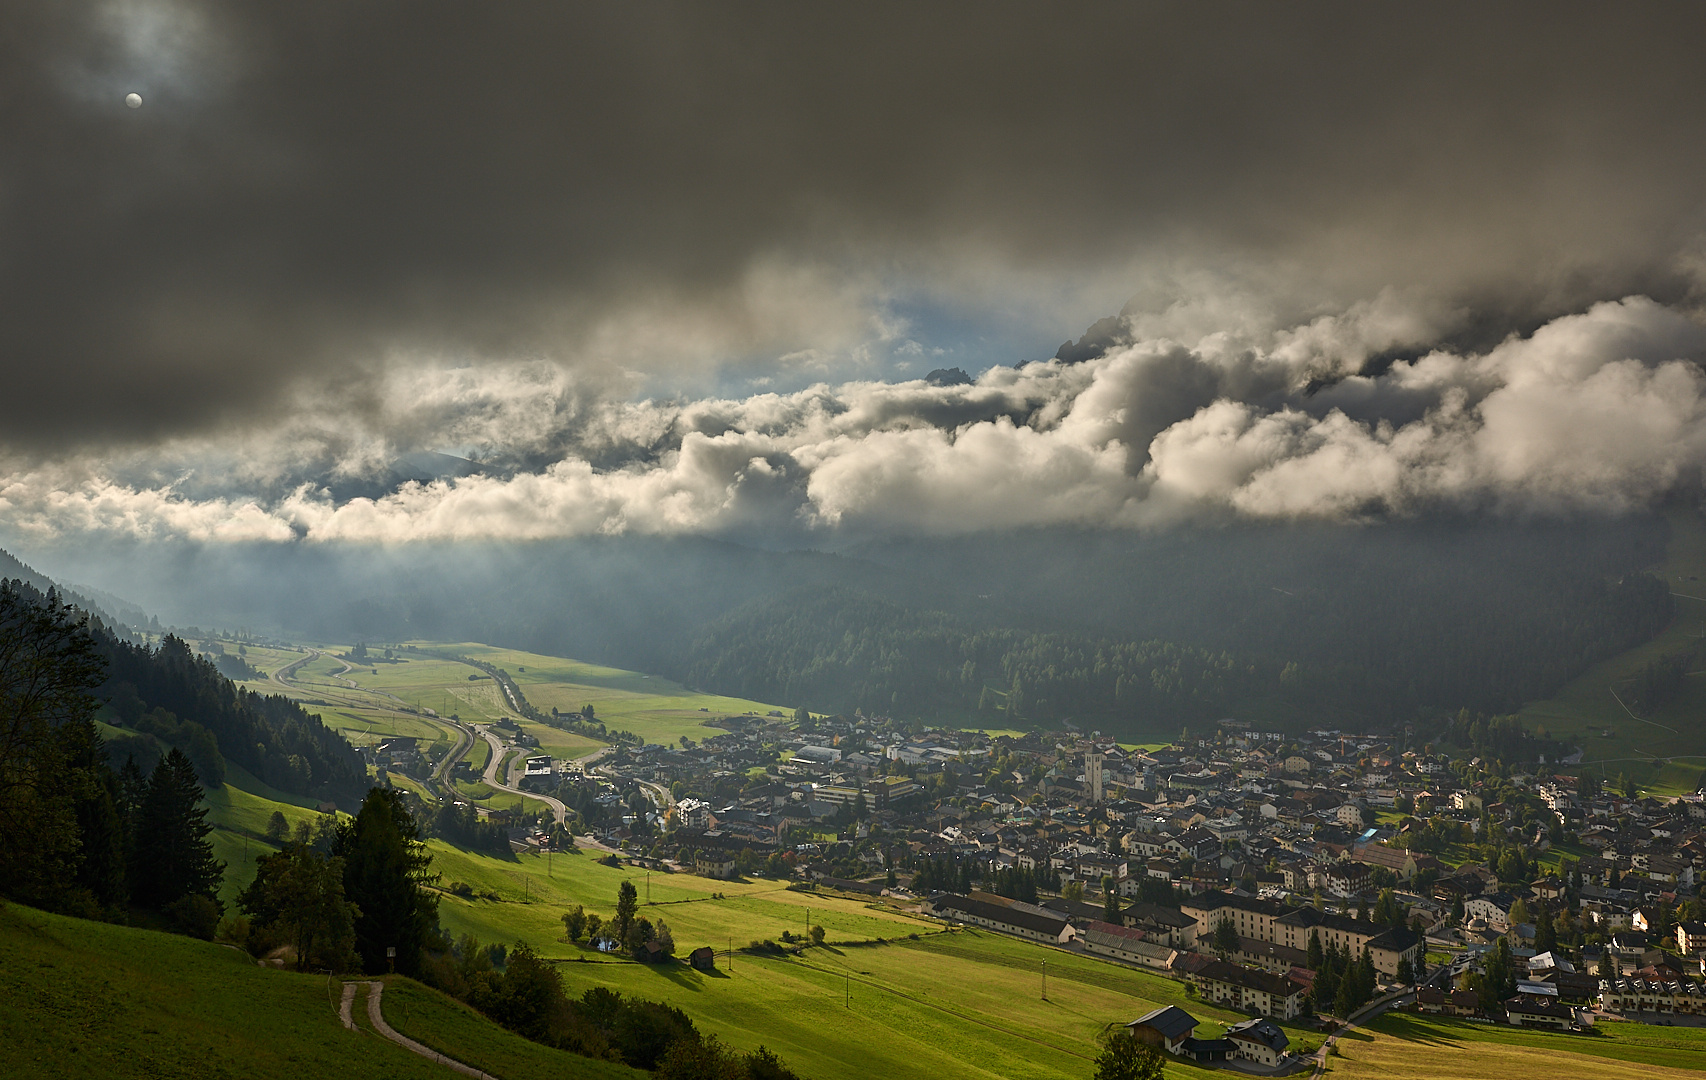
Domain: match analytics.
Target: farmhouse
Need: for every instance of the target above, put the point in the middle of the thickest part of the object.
(1165, 1029)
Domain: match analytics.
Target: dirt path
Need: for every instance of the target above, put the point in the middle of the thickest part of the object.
(346, 1007)
(377, 1019)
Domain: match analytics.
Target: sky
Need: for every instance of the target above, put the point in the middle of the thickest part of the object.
(385, 272)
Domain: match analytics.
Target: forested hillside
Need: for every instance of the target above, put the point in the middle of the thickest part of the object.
(841, 649)
(1394, 648)
(182, 700)
(269, 735)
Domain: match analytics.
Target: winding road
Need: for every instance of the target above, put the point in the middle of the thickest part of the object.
(500, 750)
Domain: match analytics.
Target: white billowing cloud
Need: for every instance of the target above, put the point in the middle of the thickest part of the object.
(1603, 410)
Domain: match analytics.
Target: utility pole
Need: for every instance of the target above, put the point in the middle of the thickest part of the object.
(847, 988)
(1045, 980)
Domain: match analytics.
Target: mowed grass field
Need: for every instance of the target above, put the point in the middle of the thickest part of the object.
(1406, 1045)
(959, 1005)
(654, 708)
(1666, 751)
(944, 1003)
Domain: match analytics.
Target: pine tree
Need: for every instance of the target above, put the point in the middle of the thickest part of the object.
(101, 828)
(1365, 978)
(386, 869)
(48, 664)
(1316, 957)
(173, 856)
(627, 905)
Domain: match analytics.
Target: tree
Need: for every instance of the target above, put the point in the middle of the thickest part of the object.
(172, 854)
(1345, 1001)
(1073, 891)
(529, 995)
(1225, 936)
(1545, 931)
(386, 871)
(1315, 954)
(48, 665)
(666, 939)
(277, 827)
(1608, 968)
(100, 883)
(627, 904)
(297, 898)
(1111, 902)
(762, 1064)
(1519, 913)
(640, 933)
(574, 922)
(1406, 974)
(817, 935)
(1124, 1058)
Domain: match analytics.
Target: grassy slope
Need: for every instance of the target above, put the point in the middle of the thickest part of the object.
(454, 1029)
(534, 891)
(1584, 711)
(1429, 1047)
(86, 999)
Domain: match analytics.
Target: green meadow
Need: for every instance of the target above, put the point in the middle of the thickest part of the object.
(1437, 1048)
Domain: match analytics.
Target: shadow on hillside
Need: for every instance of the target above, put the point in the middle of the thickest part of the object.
(1411, 1029)
(682, 975)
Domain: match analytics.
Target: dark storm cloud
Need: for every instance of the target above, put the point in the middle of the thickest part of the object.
(312, 191)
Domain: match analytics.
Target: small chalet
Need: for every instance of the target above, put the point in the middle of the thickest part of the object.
(1165, 1029)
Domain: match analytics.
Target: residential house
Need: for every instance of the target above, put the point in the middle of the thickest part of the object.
(1259, 1040)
